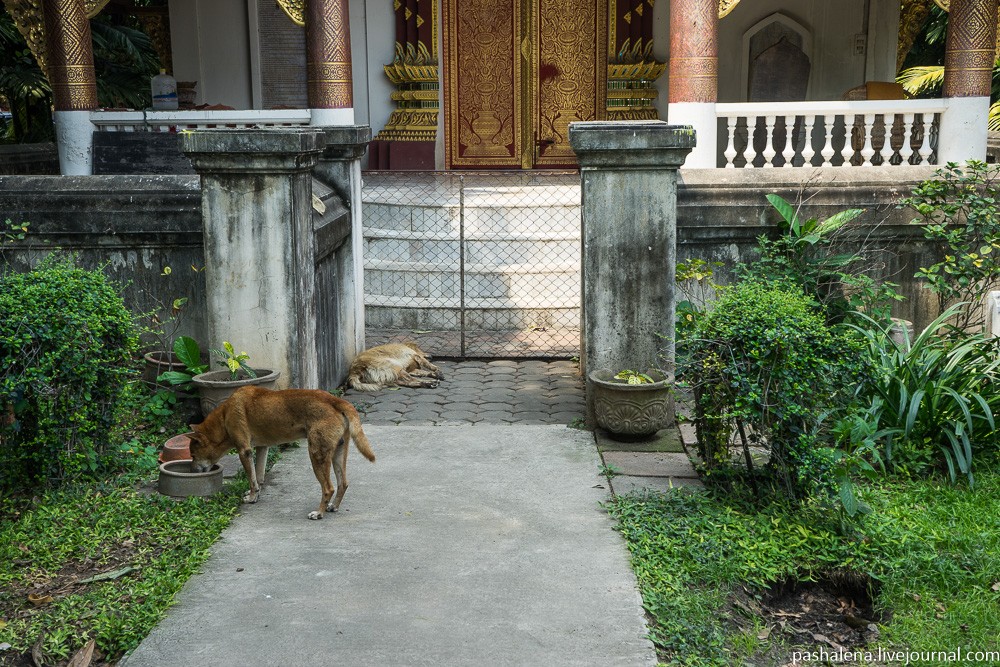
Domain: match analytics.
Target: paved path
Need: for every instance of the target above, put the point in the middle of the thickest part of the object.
(476, 544)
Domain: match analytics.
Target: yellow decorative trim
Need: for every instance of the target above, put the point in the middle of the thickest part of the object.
(726, 6)
(295, 10)
(943, 4)
(399, 73)
(94, 7)
(646, 71)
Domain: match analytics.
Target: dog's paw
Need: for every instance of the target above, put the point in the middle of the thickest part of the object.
(315, 516)
(250, 497)
(331, 508)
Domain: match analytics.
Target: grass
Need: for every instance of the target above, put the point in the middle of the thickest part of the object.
(144, 545)
(931, 549)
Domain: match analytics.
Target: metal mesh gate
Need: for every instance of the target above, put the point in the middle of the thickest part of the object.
(473, 264)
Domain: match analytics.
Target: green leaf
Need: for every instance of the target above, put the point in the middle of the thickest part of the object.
(786, 211)
(187, 351)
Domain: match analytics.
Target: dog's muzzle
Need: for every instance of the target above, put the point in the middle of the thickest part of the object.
(200, 467)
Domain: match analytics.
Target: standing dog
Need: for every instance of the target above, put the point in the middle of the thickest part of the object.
(395, 364)
(256, 417)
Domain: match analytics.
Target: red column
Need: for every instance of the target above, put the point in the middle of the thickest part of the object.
(970, 48)
(694, 51)
(70, 55)
(328, 54)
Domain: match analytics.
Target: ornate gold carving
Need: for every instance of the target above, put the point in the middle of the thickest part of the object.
(726, 6)
(970, 49)
(157, 26)
(943, 4)
(295, 10)
(70, 57)
(631, 91)
(28, 18)
(482, 119)
(569, 74)
(328, 55)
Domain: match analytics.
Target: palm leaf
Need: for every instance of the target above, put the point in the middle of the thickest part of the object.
(923, 79)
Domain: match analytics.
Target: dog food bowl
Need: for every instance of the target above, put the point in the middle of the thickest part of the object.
(176, 448)
(177, 480)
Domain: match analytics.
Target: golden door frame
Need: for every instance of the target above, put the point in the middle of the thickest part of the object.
(516, 73)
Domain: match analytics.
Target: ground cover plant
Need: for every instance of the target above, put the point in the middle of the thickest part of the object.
(89, 552)
(727, 580)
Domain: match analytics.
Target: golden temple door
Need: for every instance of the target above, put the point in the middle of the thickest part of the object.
(516, 73)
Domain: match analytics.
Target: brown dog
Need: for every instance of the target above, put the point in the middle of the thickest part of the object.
(392, 365)
(256, 417)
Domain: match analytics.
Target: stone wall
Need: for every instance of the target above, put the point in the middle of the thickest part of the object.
(25, 159)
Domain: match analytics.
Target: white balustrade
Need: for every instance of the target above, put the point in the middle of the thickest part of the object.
(173, 121)
(863, 133)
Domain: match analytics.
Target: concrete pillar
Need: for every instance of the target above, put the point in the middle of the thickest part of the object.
(968, 71)
(628, 172)
(74, 83)
(328, 62)
(340, 168)
(256, 200)
(694, 75)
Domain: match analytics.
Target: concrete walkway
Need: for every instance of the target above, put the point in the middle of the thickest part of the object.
(469, 544)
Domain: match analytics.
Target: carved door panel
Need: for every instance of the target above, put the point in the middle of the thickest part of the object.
(568, 74)
(517, 72)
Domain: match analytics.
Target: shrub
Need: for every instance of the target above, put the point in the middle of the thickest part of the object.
(805, 253)
(929, 403)
(958, 211)
(764, 365)
(67, 344)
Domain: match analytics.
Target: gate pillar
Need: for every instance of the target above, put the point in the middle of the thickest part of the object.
(256, 202)
(628, 174)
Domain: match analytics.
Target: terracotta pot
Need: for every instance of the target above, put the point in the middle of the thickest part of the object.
(632, 411)
(157, 363)
(215, 387)
(176, 448)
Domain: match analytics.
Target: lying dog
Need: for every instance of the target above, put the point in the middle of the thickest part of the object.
(392, 365)
(256, 417)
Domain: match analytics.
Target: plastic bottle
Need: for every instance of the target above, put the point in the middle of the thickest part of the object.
(164, 88)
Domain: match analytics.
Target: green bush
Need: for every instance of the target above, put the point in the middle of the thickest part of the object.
(67, 344)
(959, 212)
(766, 369)
(930, 403)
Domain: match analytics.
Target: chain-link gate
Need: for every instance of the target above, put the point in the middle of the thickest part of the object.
(473, 264)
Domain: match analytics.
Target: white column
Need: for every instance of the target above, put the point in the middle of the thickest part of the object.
(75, 139)
(962, 134)
(700, 116)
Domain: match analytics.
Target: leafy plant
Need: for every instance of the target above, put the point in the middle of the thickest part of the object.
(804, 254)
(958, 210)
(188, 352)
(936, 398)
(764, 364)
(235, 363)
(633, 377)
(695, 278)
(67, 344)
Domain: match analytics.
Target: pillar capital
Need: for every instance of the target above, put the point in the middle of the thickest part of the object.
(641, 144)
(246, 151)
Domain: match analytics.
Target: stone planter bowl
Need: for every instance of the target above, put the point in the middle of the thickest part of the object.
(177, 480)
(155, 364)
(632, 411)
(215, 387)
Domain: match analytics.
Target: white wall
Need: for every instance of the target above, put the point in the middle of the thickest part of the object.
(373, 37)
(210, 44)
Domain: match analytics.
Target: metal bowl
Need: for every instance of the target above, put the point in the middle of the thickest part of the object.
(177, 480)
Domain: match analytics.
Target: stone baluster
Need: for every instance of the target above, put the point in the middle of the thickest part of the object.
(906, 150)
(730, 151)
(769, 151)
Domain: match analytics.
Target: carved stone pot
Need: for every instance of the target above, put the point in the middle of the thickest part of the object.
(215, 387)
(632, 411)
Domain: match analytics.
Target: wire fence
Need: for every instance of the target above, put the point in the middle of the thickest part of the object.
(473, 264)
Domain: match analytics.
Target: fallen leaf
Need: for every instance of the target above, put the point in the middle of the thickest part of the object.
(114, 574)
(5, 647)
(940, 607)
(39, 600)
(916, 598)
(996, 586)
(765, 633)
(83, 657)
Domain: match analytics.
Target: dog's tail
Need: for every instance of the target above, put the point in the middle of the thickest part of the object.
(354, 430)
(354, 382)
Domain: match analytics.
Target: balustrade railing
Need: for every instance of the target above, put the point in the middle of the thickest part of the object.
(172, 121)
(837, 134)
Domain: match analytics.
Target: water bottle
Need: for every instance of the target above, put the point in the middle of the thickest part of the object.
(164, 89)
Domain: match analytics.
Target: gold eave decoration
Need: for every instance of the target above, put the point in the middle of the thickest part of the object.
(943, 4)
(30, 22)
(648, 71)
(726, 6)
(295, 9)
(402, 73)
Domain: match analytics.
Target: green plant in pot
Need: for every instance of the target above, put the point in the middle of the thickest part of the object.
(632, 405)
(214, 387)
(164, 359)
